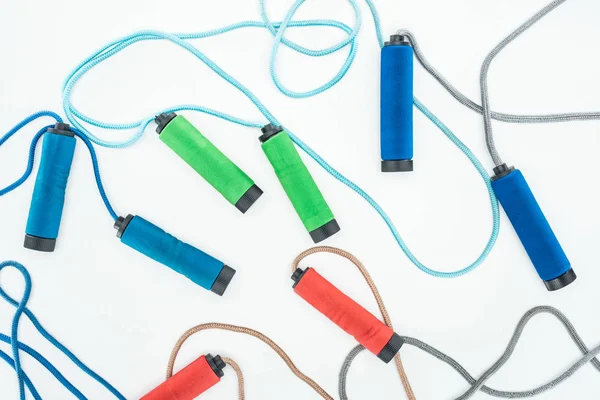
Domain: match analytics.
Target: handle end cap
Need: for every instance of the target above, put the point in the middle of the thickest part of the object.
(223, 280)
(562, 281)
(39, 244)
(325, 231)
(248, 198)
(396, 165)
(391, 348)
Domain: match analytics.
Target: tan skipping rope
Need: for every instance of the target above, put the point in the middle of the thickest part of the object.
(279, 350)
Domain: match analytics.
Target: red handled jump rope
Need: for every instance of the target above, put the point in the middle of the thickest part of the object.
(373, 334)
(376, 335)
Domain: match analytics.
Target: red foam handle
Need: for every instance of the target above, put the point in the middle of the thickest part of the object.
(186, 384)
(367, 329)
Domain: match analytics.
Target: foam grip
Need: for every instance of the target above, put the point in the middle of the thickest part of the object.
(188, 383)
(204, 157)
(396, 129)
(152, 241)
(299, 185)
(533, 230)
(367, 329)
(47, 202)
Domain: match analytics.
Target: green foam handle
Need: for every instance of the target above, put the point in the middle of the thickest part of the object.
(204, 157)
(299, 185)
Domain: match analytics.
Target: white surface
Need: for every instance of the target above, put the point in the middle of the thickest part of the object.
(121, 313)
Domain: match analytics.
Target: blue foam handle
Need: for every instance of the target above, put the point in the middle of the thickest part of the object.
(396, 106)
(531, 226)
(157, 244)
(48, 197)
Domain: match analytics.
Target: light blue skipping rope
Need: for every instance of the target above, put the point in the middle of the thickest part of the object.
(15, 362)
(277, 29)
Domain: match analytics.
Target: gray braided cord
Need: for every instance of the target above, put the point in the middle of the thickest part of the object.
(345, 368)
(512, 118)
(485, 100)
(478, 384)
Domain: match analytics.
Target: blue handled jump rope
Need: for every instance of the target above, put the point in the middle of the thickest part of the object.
(513, 192)
(48, 198)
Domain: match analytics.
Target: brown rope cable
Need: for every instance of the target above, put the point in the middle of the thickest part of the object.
(251, 332)
(240, 376)
(386, 318)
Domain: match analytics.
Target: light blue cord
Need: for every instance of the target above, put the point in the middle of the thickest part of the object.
(21, 308)
(278, 33)
(31, 158)
(277, 29)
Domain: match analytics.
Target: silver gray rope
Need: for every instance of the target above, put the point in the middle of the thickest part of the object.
(485, 99)
(489, 114)
(478, 384)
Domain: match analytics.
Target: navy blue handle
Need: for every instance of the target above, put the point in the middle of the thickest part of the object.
(396, 107)
(533, 230)
(48, 197)
(157, 244)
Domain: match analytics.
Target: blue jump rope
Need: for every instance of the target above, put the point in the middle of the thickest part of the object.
(48, 198)
(396, 150)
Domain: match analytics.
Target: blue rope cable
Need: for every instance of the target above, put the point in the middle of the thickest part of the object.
(21, 308)
(16, 129)
(30, 160)
(31, 157)
(97, 176)
(278, 30)
(28, 382)
(45, 363)
(27, 121)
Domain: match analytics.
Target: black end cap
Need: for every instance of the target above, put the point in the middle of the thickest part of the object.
(248, 198)
(39, 244)
(163, 120)
(562, 281)
(217, 364)
(325, 231)
(391, 348)
(222, 281)
(60, 128)
(298, 275)
(268, 131)
(396, 165)
(398, 40)
(121, 224)
(501, 171)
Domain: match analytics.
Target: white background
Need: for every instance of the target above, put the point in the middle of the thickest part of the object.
(121, 313)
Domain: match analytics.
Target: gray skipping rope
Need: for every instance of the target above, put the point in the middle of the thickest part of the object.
(479, 384)
(485, 109)
(488, 115)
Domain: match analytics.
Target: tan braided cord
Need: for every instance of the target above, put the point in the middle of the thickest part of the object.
(240, 376)
(253, 333)
(386, 318)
